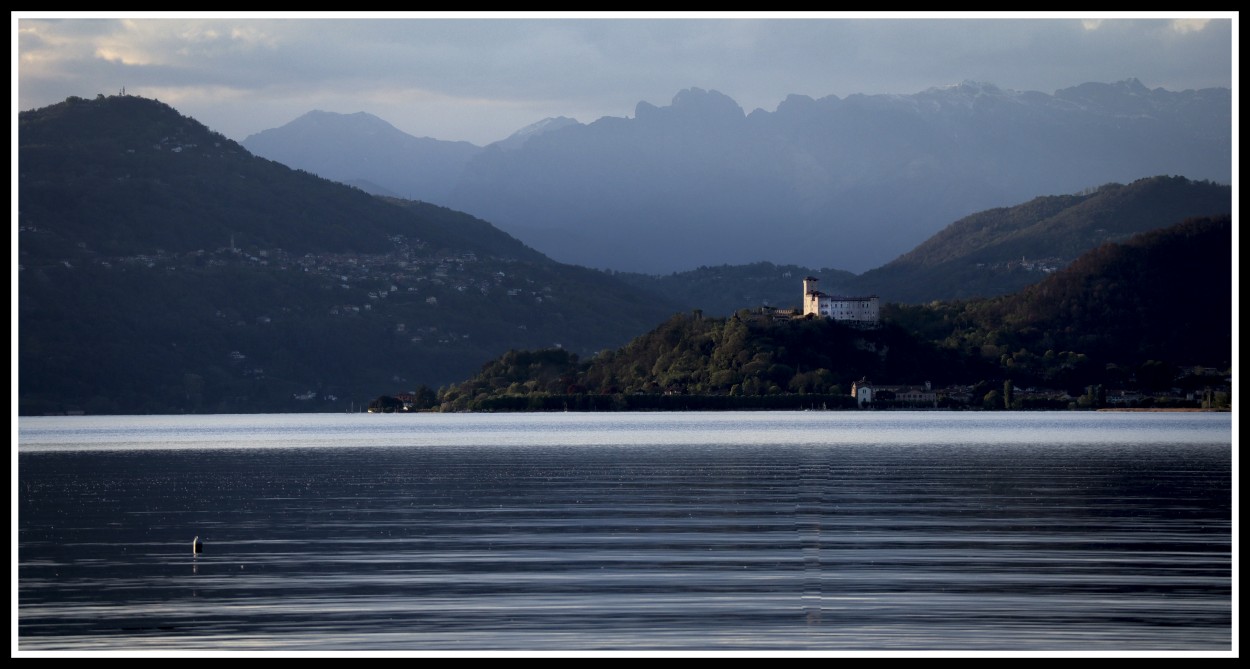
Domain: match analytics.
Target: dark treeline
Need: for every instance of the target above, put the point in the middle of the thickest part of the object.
(1161, 299)
(699, 362)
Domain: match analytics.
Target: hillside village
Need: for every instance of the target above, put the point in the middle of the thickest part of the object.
(363, 282)
(401, 291)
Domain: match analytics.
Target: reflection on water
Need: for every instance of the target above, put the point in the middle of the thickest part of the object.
(743, 531)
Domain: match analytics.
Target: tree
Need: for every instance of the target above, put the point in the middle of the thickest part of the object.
(1095, 397)
(425, 398)
(385, 404)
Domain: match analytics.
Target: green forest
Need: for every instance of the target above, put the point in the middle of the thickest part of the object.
(1124, 317)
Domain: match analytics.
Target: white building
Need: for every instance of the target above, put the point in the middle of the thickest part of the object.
(863, 311)
(861, 390)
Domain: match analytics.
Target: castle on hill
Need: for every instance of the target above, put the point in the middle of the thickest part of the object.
(859, 311)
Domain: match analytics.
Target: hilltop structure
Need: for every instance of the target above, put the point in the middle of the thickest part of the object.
(859, 311)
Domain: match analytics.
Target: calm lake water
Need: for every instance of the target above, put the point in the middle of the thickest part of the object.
(751, 531)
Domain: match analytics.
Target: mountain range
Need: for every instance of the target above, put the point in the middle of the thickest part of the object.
(990, 253)
(163, 268)
(850, 182)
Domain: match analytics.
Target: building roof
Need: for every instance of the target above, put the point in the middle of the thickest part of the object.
(842, 298)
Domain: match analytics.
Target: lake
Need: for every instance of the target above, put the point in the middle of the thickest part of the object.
(736, 531)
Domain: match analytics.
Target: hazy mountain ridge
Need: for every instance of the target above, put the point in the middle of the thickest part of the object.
(363, 149)
(993, 252)
(831, 182)
(725, 289)
(520, 137)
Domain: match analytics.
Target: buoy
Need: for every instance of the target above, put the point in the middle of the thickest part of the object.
(196, 546)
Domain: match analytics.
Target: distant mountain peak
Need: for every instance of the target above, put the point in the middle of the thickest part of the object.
(644, 109)
(710, 101)
(549, 124)
(969, 89)
(693, 105)
(357, 123)
(360, 148)
(971, 86)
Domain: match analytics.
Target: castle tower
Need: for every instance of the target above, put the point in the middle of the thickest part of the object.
(811, 296)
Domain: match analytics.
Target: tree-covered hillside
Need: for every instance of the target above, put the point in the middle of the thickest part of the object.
(1000, 251)
(1133, 316)
(163, 269)
(124, 175)
(1164, 295)
(748, 357)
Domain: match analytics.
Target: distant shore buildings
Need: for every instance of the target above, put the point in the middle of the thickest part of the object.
(867, 394)
(861, 311)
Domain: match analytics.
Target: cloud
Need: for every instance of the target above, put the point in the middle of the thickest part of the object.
(1189, 25)
(433, 75)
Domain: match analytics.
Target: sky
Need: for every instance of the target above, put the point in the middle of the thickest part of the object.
(465, 77)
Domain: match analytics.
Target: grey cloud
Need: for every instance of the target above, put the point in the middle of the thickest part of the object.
(590, 68)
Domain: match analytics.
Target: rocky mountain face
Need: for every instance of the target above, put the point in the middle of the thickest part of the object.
(849, 183)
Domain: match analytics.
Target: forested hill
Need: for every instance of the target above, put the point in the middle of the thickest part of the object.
(164, 269)
(744, 360)
(125, 175)
(1163, 295)
(1120, 314)
(1000, 251)
(1131, 315)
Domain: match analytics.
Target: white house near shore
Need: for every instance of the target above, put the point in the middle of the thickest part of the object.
(861, 390)
(860, 311)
